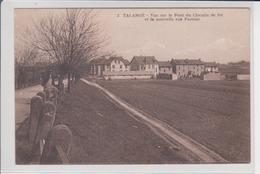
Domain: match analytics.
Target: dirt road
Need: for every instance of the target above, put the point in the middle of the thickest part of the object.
(22, 102)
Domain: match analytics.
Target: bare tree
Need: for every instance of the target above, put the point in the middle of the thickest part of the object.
(25, 56)
(68, 39)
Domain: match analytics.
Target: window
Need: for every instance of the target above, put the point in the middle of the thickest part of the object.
(120, 66)
(113, 66)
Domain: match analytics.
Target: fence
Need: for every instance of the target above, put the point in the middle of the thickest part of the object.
(128, 74)
(46, 143)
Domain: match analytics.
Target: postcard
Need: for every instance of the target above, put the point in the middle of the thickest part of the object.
(134, 87)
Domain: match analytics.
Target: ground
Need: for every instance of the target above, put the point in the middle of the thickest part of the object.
(214, 113)
(105, 134)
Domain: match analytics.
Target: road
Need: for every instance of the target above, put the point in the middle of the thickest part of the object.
(22, 102)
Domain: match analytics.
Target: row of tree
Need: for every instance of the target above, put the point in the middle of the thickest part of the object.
(66, 41)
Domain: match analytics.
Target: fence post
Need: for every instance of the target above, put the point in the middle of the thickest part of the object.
(35, 115)
(58, 145)
(47, 121)
(45, 124)
(52, 94)
(42, 94)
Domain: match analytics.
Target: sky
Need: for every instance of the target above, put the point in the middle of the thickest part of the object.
(223, 38)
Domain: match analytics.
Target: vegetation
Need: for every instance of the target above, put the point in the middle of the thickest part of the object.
(66, 41)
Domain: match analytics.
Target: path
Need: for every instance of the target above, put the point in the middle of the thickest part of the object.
(22, 102)
(165, 131)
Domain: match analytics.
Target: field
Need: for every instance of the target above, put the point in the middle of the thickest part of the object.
(214, 113)
(105, 134)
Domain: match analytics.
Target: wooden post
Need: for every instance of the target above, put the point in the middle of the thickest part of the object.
(35, 115)
(51, 94)
(58, 145)
(42, 94)
(47, 120)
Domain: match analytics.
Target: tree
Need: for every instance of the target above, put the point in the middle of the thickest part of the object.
(25, 56)
(68, 39)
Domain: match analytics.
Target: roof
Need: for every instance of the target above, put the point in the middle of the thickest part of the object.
(210, 64)
(187, 62)
(104, 61)
(164, 63)
(98, 61)
(144, 60)
(126, 62)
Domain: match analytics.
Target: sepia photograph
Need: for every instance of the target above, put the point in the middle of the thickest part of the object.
(132, 85)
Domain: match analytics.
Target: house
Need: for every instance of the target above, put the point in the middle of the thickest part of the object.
(211, 67)
(187, 68)
(115, 64)
(165, 70)
(165, 67)
(145, 63)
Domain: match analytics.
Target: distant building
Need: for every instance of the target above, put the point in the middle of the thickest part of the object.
(234, 72)
(165, 70)
(187, 68)
(165, 67)
(115, 64)
(211, 67)
(97, 66)
(145, 63)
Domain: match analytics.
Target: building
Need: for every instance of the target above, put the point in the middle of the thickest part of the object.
(145, 63)
(97, 66)
(232, 72)
(165, 70)
(211, 67)
(115, 64)
(187, 68)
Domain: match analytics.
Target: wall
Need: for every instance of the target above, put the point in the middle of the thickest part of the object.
(117, 65)
(213, 76)
(174, 76)
(243, 77)
(211, 69)
(128, 75)
(183, 70)
(97, 69)
(165, 70)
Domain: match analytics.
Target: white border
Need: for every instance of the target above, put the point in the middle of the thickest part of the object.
(7, 94)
